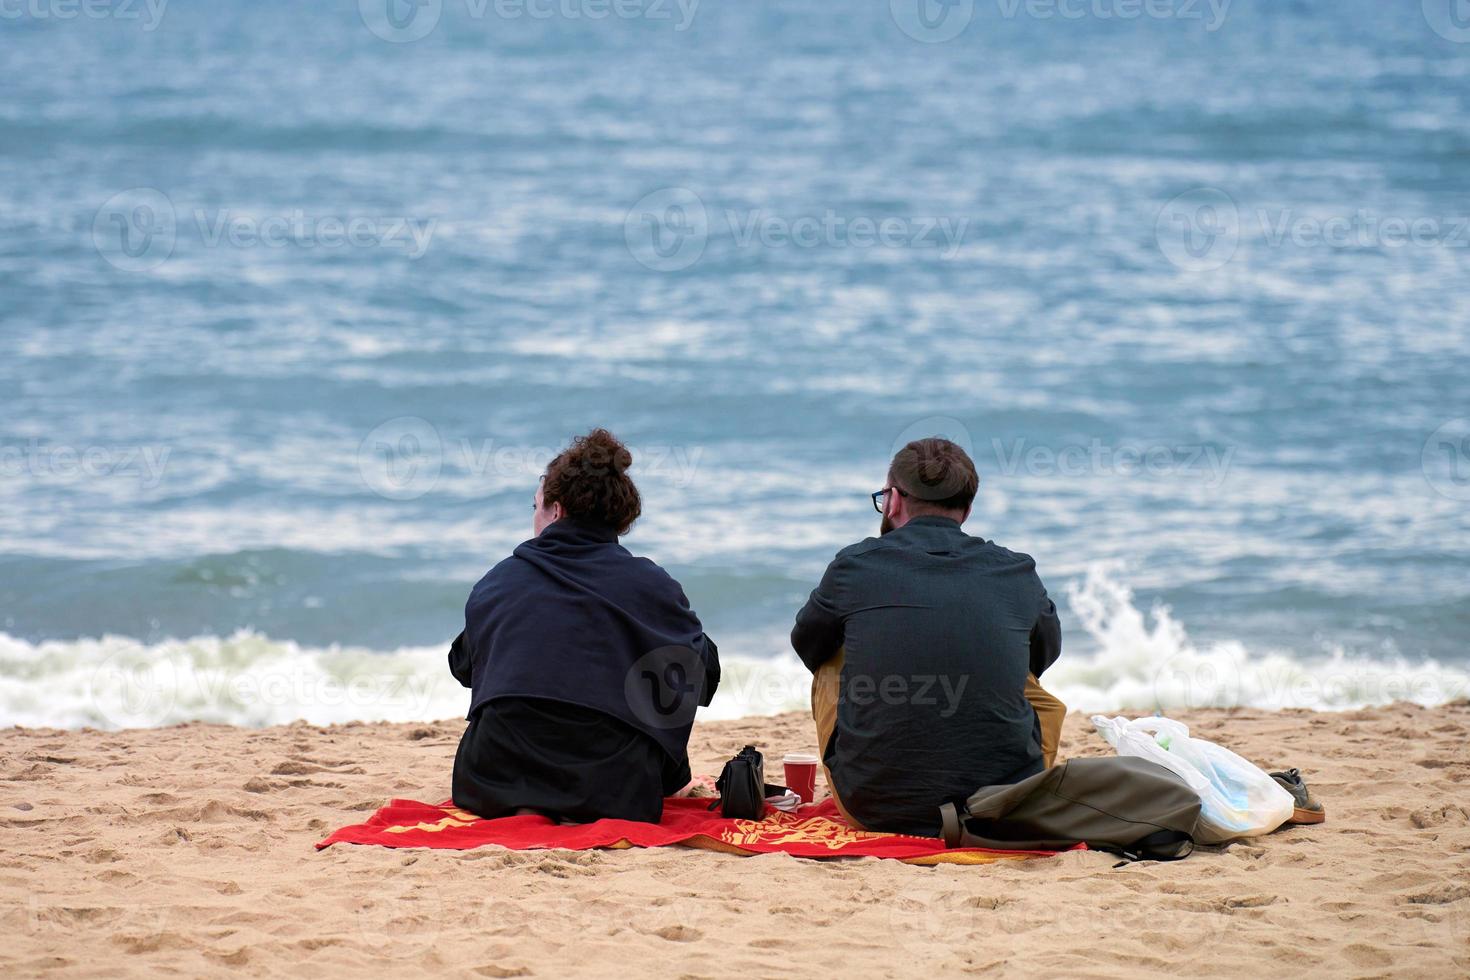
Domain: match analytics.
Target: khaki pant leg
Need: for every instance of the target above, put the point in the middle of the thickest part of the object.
(826, 687)
(1051, 712)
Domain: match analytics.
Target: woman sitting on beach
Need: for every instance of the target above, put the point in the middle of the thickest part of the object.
(585, 662)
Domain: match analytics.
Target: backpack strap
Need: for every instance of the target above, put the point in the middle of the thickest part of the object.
(949, 814)
(1161, 845)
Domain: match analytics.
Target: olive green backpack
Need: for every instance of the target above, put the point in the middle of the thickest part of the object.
(1125, 805)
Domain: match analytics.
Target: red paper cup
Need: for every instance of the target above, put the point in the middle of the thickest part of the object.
(801, 774)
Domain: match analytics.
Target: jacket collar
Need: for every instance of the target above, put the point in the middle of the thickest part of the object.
(933, 520)
(574, 531)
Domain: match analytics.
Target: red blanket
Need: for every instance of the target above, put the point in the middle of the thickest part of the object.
(815, 831)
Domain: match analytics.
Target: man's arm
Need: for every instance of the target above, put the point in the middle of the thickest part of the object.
(818, 633)
(459, 660)
(1046, 636)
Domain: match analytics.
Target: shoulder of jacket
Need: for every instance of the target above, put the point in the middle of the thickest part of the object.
(863, 547)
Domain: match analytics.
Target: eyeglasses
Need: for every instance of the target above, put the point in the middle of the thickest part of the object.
(878, 496)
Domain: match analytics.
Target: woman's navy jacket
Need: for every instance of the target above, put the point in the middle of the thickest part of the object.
(572, 616)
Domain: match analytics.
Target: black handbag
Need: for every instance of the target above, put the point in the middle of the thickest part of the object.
(742, 786)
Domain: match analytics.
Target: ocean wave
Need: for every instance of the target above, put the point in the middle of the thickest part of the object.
(251, 680)
(1140, 662)
(1148, 662)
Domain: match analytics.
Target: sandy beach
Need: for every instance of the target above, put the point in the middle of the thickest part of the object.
(188, 850)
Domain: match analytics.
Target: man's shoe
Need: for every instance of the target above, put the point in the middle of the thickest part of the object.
(1305, 809)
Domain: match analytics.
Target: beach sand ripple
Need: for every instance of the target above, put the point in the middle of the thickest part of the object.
(188, 850)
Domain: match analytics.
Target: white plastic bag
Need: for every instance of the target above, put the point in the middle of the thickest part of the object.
(1240, 799)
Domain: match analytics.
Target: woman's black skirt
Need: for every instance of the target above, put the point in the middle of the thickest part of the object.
(569, 762)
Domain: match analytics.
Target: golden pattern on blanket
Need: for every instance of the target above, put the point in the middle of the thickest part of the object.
(781, 828)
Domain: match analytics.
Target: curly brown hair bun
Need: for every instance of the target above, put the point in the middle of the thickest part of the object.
(590, 480)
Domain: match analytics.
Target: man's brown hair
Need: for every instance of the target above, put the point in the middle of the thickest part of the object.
(590, 480)
(936, 474)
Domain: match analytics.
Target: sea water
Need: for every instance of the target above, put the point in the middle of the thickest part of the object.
(296, 302)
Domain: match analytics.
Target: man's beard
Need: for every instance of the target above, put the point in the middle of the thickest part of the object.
(885, 526)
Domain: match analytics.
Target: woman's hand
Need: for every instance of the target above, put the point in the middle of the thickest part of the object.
(699, 786)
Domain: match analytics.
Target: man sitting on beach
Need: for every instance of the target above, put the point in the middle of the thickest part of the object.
(926, 643)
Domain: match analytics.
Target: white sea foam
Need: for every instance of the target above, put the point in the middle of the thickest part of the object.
(1149, 662)
(252, 680)
(1140, 662)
